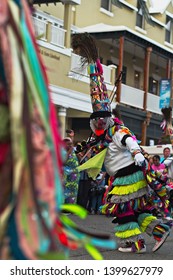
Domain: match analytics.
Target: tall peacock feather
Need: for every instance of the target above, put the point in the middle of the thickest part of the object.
(84, 45)
(166, 126)
(32, 225)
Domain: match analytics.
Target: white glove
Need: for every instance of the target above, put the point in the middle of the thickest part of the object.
(139, 159)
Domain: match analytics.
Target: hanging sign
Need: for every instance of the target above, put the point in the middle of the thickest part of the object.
(165, 93)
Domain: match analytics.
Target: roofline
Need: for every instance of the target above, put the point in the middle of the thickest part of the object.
(155, 9)
(39, 2)
(142, 40)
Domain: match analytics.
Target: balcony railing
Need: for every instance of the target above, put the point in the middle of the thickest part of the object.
(40, 21)
(40, 27)
(153, 103)
(134, 97)
(57, 36)
(77, 69)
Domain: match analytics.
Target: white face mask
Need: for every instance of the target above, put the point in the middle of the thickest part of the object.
(99, 125)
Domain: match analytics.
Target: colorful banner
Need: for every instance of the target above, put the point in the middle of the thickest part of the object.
(165, 93)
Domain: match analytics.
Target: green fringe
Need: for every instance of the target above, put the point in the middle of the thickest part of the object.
(130, 179)
(128, 226)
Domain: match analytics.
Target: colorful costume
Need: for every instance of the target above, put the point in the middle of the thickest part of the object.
(159, 180)
(32, 225)
(71, 178)
(159, 183)
(167, 138)
(166, 126)
(127, 200)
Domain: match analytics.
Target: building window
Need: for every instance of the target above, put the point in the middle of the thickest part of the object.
(169, 26)
(106, 4)
(140, 20)
(153, 86)
(137, 79)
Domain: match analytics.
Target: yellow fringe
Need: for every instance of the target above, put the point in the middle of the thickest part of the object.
(128, 233)
(146, 222)
(123, 190)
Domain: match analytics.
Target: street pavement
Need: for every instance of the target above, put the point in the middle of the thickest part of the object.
(103, 224)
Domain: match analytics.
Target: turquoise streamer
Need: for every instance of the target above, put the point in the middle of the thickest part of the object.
(34, 65)
(111, 244)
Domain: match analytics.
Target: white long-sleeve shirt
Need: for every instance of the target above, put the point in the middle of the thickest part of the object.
(118, 155)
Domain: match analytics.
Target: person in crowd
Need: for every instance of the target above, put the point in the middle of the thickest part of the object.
(157, 177)
(84, 181)
(117, 148)
(71, 173)
(150, 159)
(158, 183)
(169, 164)
(108, 183)
(166, 154)
(157, 165)
(147, 156)
(167, 139)
(97, 193)
(70, 133)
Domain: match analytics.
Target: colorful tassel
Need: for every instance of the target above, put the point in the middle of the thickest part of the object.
(30, 152)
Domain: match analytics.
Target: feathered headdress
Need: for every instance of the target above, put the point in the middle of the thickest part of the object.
(166, 126)
(84, 45)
